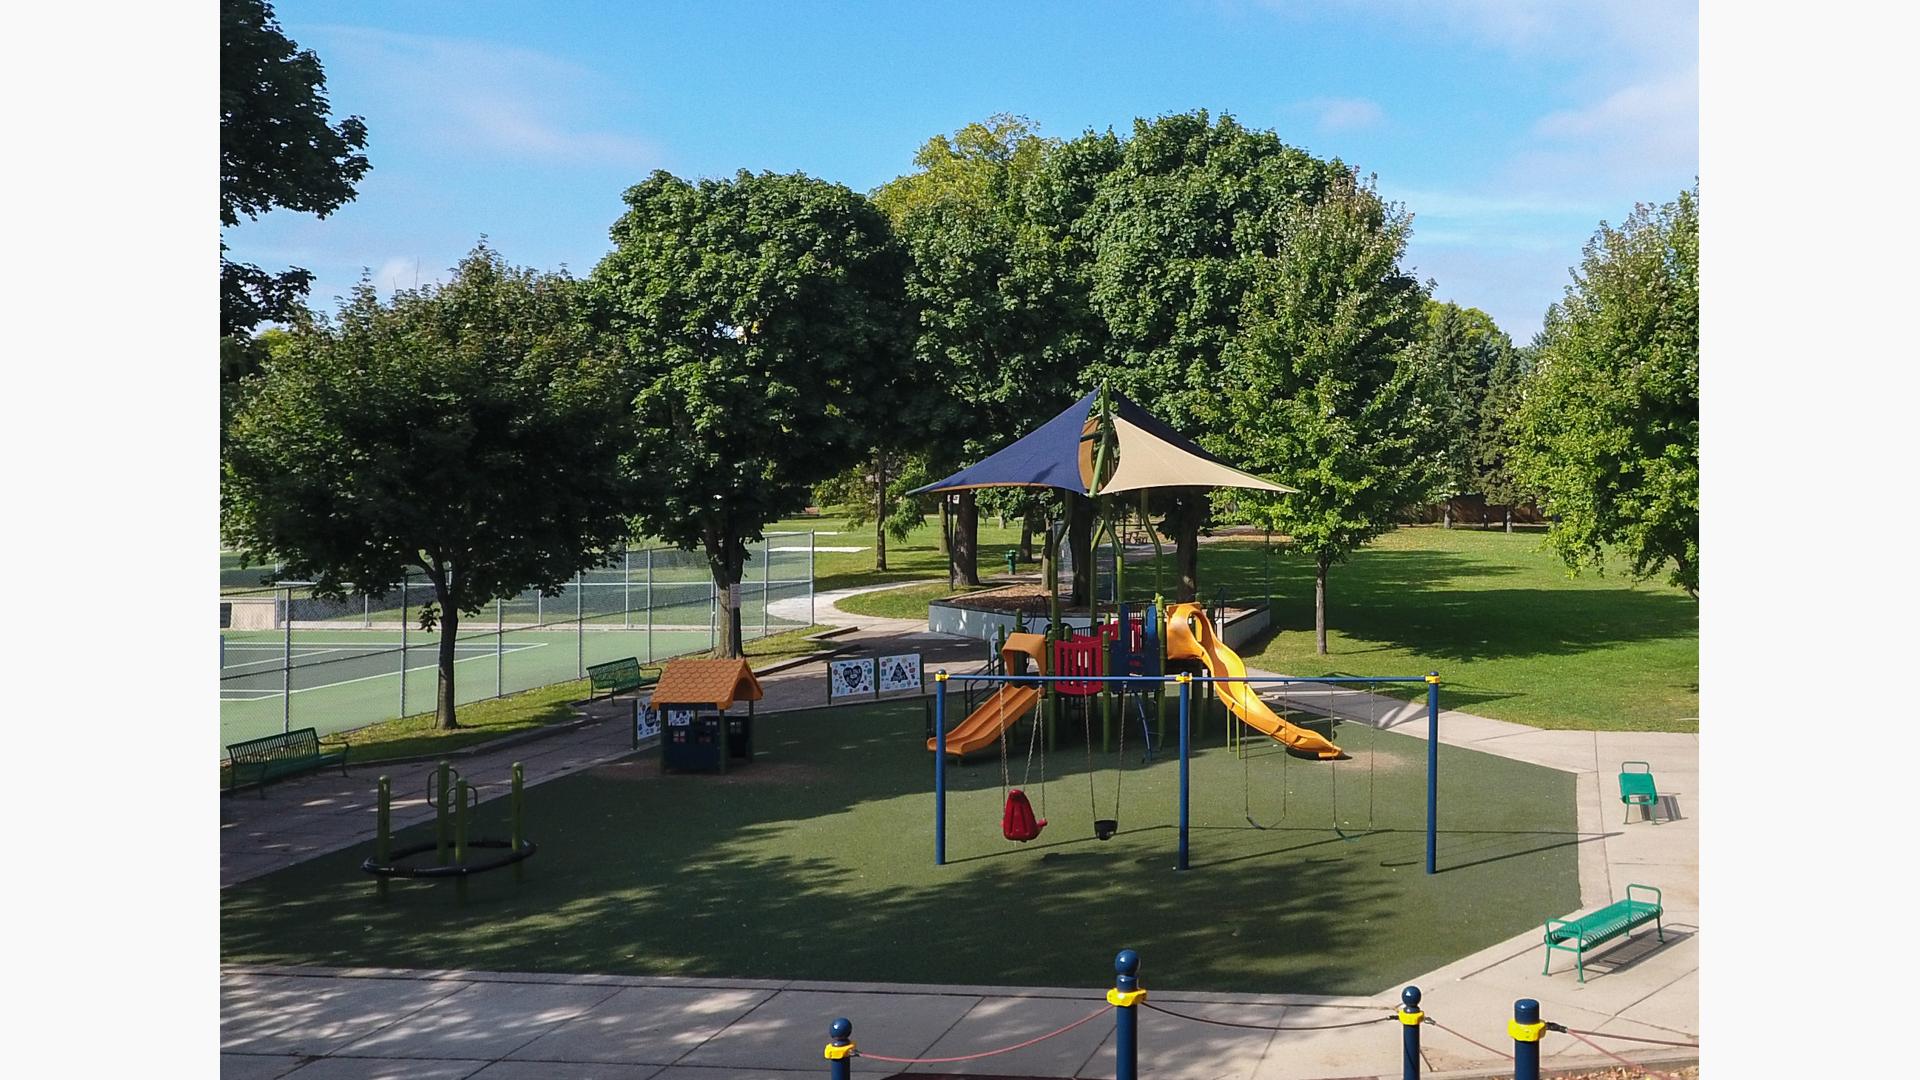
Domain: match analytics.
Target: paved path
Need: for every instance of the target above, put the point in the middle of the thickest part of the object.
(313, 1023)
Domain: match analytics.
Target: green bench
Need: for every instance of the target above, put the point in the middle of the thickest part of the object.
(260, 760)
(1620, 917)
(1637, 789)
(619, 676)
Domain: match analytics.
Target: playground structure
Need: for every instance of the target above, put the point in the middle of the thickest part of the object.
(694, 699)
(454, 801)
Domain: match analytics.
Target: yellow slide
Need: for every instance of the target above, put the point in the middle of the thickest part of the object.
(1008, 704)
(1223, 663)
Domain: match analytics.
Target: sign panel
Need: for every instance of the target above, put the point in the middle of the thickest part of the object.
(845, 677)
(900, 672)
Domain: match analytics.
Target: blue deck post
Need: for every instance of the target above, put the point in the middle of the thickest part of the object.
(840, 1049)
(1526, 1029)
(1410, 1018)
(1186, 742)
(1125, 997)
(1433, 764)
(940, 768)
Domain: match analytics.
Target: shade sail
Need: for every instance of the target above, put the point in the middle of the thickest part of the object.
(1059, 454)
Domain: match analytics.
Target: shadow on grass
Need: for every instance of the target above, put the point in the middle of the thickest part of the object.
(815, 862)
(1413, 601)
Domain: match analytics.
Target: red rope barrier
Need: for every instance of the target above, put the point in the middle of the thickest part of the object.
(1633, 1038)
(1475, 1042)
(1618, 1058)
(1102, 1010)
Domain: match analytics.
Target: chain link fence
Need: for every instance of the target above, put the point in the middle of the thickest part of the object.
(289, 659)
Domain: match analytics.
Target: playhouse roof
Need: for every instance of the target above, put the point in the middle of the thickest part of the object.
(1059, 454)
(714, 683)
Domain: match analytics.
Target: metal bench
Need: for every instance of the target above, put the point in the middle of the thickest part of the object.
(1620, 917)
(619, 676)
(1637, 789)
(260, 760)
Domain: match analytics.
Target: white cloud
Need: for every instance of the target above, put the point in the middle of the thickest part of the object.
(1344, 114)
(475, 95)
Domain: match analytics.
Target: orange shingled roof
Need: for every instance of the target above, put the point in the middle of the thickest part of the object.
(715, 683)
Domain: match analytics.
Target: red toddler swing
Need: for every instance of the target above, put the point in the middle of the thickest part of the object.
(1017, 820)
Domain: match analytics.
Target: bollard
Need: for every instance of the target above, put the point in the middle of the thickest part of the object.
(1012, 556)
(1125, 997)
(515, 807)
(840, 1049)
(1410, 1017)
(1526, 1028)
(383, 832)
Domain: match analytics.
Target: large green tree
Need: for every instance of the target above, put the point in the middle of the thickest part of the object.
(1327, 386)
(765, 322)
(473, 432)
(1474, 366)
(1610, 423)
(998, 341)
(1179, 223)
(278, 148)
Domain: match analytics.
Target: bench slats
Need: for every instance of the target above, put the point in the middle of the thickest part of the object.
(273, 756)
(1620, 917)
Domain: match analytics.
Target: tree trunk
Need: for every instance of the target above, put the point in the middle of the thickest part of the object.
(1026, 538)
(880, 512)
(1080, 543)
(443, 707)
(725, 557)
(1507, 514)
(1446, 514)
(1184, 514)
(1320, 604)
(966, 541)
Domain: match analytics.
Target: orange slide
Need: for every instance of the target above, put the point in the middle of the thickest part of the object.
(1195, 640)
(1008, 704)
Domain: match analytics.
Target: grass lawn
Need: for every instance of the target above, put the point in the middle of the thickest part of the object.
(1512, 634)
(906, 602)
(816, 862)
(916, 557)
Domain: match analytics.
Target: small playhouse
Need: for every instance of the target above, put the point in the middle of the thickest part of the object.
(694, 700)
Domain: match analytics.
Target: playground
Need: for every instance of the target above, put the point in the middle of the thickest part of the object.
(816, 862)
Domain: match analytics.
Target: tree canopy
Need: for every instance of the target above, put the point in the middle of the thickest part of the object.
(278, 148)
(472, 432)
(1609, 430)
(1326, 389)
(765, 324)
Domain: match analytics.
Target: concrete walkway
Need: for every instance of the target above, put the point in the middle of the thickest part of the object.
(317, 1023)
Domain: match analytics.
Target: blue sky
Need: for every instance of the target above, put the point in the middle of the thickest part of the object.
(1510, 128)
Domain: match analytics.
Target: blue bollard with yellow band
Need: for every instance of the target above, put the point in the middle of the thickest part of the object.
(1125, 997)
(840, 1048)
(1526, 1029)
(1410, 1020)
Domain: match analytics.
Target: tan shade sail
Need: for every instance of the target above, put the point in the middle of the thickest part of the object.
(1150, 462)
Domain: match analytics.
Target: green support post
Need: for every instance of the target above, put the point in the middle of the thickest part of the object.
(383, 832)
(517, 807)
(460, 832)
(1160, 689)
(439, 794)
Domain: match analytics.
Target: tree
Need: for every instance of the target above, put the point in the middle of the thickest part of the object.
(1468, 353)
(765, 323)
(997, 342)
(474, 432)
(1183, 216)
(1610, 423)
(277, 148)
(1497, 423)
(1328, 391)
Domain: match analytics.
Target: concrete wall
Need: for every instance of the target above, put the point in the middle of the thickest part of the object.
(945, 618)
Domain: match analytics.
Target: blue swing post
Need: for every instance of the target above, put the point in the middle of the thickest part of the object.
(1186, 697)
(940, 768)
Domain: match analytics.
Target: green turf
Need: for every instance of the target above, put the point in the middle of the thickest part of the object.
(815, 862)
(1513, 634)
(905, 602)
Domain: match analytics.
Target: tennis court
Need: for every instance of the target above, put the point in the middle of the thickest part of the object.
(342, 678)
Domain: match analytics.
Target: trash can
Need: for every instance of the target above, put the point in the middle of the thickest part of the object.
(1013, 560)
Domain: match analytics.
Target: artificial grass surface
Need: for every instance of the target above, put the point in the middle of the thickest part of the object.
(816, 862)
